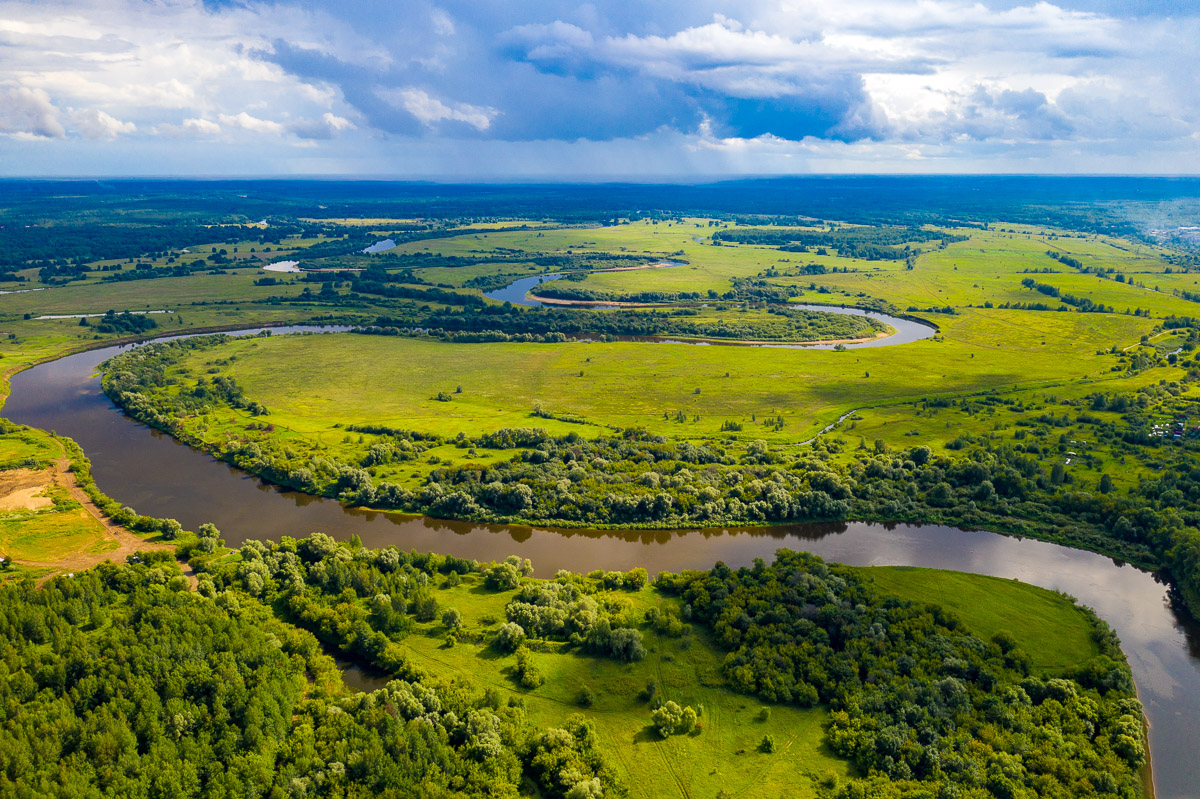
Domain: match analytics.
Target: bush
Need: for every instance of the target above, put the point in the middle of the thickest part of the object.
(667, 719)
(528, 674)
(171, 529)
(510, 636)
(626, 644)
(671, 719)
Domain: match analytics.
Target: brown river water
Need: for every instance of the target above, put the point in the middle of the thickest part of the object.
(159, 476)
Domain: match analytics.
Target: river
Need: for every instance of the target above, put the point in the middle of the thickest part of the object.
(906, 330)
(159, 476)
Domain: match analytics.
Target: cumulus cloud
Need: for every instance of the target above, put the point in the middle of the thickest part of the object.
(326, 127)
(92, 123)
(251, 123)
(430, 110)
(754, 83)
(29, 112)
(195, 128)
(128, 68)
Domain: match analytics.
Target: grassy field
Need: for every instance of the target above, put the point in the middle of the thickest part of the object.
(39, 521)
(724, 755)
(1055, 633)
(312, 383)
(687, 670)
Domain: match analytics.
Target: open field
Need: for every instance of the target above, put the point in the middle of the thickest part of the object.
(1050, 627)
(40, 522)
(312, 383)
(723, 755)
(687, 670)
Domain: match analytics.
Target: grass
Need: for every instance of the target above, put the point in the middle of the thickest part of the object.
(48, 534)
(723, 756)
(687, 670)
(1049, 626)
(312, 383)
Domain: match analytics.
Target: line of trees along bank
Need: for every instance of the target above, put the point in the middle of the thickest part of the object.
(913, 695)
(921, 706)
(631, 478)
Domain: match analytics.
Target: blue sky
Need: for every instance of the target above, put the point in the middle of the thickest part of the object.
(603, 90)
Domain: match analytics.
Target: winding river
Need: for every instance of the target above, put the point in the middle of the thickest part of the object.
(159, 476)
(906, 330)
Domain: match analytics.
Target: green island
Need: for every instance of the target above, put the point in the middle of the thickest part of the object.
(683, 368)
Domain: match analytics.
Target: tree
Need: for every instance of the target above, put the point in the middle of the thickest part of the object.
(688, 722)
(171, 529)
(502, 577)
(625, 644)
(528, 674)
(667, 718)
(1106, 484)
(510, 636)
(452, 619)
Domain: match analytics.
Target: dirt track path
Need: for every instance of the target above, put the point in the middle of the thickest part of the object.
(127, 542)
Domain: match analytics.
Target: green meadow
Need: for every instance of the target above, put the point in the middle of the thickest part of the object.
(1051, 628)
(314, 382)
(723, 755)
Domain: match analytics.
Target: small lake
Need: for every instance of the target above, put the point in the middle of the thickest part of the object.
(159, 476)
(283, 266)
(380, 246)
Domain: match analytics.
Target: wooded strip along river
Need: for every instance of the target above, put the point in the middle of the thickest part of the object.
(161, 477)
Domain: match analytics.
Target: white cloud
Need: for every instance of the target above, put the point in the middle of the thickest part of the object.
(29, 112)
(133, 68)
(862, 82)
(251, 123)
(443, 25)
(195, 128)
(430, 110)
(92, 123)
(328, 126)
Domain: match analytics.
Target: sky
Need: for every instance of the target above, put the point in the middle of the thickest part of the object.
(607, 90)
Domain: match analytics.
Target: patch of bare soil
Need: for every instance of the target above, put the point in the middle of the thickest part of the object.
(127, 542)
(24, 489)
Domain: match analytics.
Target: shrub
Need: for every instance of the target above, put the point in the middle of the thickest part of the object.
(510, 636)
(528, 674)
